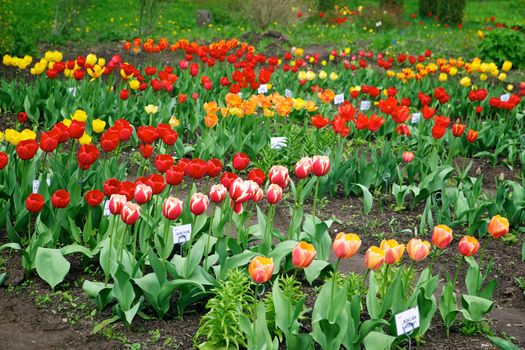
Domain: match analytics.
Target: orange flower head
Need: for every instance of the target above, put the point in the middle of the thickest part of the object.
(468, 246)
(442, 236)
(211, 120)
(498, 226)
(393, 251)
(303, 254)
(374, 257)
(346, 245)
(261, 269)
(417, 249)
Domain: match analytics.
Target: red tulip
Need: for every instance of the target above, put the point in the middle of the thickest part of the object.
(227, 179)
(239, 191)
(257, 175)
(174, 175)
(214, 167)
(22, 117)
(198, 203)
(4, 159)
(320, 165)
(458, 129)
(303, 254)
(240, 161)
(408, 156)
(468, 246)
(472, 136)
(274, 194)
(77, 129)
(142, 193)
(111, 186)
(127, 188)
(145, 150)
(163, 162)
(87, 155)
(218, 193)
(319, 122)
(303, 167)
(130, 213)
(116, 202)
(94, 198)
(60, 199)
(157, 183)
(197, 168)
(172, 208)
(147, 134)
(109, 140)
(34, 203)
(278, 174)
(442, 236)
(26, 149)
(124, 94)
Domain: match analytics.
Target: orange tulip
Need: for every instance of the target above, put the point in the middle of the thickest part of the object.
(393, 251)
(303, 254)
(261, 269)
(468, 246)
(211, 120)
(374, 257)
(417, 249)
(498, 226)
(346, 245)
(442, 236)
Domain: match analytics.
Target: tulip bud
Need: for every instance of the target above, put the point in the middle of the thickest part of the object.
(346, 245)
(261, 269)
(417, 249)
(320, 165)
(498, 226)
(218, 193)
(240, 161)
(116, 202)
(408, 156)
(130, 213)
(172, 208)
(303, 167)
(274, 194)
(374, 258)
(468, 246)
(198, 203)
(393, 251)
(143, 193)
(442, 236)
(303, 254)
(278, 174)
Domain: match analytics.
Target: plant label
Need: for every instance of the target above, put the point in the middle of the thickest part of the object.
(416, 117)
(504, 97)
(407, 321)
(36, 186)
(339, 98)
(365, 105)
(72, 91)
(278, 142)
(379, 24)
(287, 93)
(239, 94)
(106, 208)
(263, 88)
(181, 233)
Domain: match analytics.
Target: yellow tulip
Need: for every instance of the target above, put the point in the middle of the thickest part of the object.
(98, 125)
(67, 122)
(453, 71)
(298, 103)
(507, 65)
(28, 134)
(443, 77)
(334, 76)
(174, 122)
(85, 139)
(1, 136)
(91, 59)
(79, 115)
(502, 76)
(134, 84)
(465, 82)
(151, 109)
(510, 87)
(322, 75)
(483, 77)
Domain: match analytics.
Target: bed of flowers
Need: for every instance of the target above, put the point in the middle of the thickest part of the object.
(208, 181)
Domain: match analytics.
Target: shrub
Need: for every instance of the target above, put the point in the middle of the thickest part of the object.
(263, 13)
(426, 7)
(503, 44)
(451, 11)
(326, 5)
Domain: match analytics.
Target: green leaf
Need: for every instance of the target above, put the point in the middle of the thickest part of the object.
(378, 341)
(314, 270)
(367, 199)
(474, 308)
(75, 248)
(51, 265)
(503, 344)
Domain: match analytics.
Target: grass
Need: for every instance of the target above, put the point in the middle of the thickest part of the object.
(117, 20)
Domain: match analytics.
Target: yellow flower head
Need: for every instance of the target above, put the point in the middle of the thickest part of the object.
(502, 76)
(91, 59)
(27, 134)
(323, 75)
(79, 115)
(98, 125)
(298, 103)
(134, 84)
(151, 109)
(465, 82)
(67, 122)
(507, 65)
(174, 122)
(12, 136)
(85, 139)
(1, 136)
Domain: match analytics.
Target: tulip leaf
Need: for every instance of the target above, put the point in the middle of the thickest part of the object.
(378, 341)
(502, 343)
(367, 199)
(51, 266)
(314, 270)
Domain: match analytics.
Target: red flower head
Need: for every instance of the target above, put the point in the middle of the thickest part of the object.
(60, 199)
(26, 149)
(145, 150)
(94, 198)
(458, 129)
(278, 174)
(472, 136)
(34, 203)
(76, 129)
(320, 165)
(319, 122)
(147, 134)
(174, 175)
(22, 117)
(48, 141)
(346, 111)
(110, 140)
(375, 122)
(240, 161)
(87, 155)
(227, 179)
(111, 186)
(157, 183)
(4, 159)
(163, 162)
(197, 168)
(214, 167)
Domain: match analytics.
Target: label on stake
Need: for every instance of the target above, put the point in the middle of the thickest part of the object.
(416, 117)
(263, 89)
(36, 186)
(278, 142)
(181, 234)
(287, 93)
(504, 97)
(365, 105)
(407, 321)
(106, 208)
(339, 98)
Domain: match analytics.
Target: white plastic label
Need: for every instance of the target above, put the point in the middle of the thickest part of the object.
(72, 91)
(378, 24)
(339, 98)
(36, 186)
(365, 105)
(407, 321)
(263, 88)
(287, 93)
(239, 94)
(416, 117)
(505, 97)
(106, 208)
(181, 233)
(278, 142)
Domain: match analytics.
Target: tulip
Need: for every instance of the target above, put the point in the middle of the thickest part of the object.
(278, 174)
(26, 149)
(261, 269)
(498, 226)
(240, 161)
(346, 245)
(172, 208)
(197, 168)
(98, 125)
(374, 257)
(320, 165)
(472, 136)
(408, 156)
(468, 246)
(22, 117)
(94, 198)
(4, 159)
(303, 167)
(257, 175)
(417, 249)
(393, 251)
(442, 236)
(34, 203)
(60, 199)
(157, 183)
(239, 191)
(303, 254)
(142, 193)
(458, 129)
(218, 193)
(274, 194)
(174, 175)
(258, 195)
(163, 162)
(214, 167)
(198, 203)
(228, 178)
(116, 202)
(507, 65)
(130, 213)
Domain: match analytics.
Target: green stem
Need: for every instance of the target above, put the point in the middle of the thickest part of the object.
(482, 253)
(314, 208)
(333, 281)
(165, 254)
(385, 281)
(108, 259)
(458, 267)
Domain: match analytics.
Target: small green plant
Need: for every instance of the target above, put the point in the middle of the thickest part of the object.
(520, 282)
(503, 44)
(233, 298)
